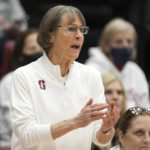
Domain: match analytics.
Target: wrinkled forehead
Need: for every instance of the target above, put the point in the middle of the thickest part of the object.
(69, 18)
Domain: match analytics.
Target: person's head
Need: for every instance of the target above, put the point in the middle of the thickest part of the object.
(114, 91)
(134, 129)
(62, 31)
(26, 48)
(118, 40)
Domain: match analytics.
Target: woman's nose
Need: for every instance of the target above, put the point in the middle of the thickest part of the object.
(125, 43)
(78, 34)
(115, 95)
(147, 138)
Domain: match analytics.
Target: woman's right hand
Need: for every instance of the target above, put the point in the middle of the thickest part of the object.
(89, 113)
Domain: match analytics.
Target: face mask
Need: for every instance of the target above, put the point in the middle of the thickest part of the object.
(121, 55)
(30, 58)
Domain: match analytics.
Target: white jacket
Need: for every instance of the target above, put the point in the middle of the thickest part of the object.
(117, 147)
(41, 96)
(132, 76)
(5, 124)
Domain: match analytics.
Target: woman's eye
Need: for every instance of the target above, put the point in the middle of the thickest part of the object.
(108, 92)
(139, 132)
(72, 29)
(120, 92)
(119, 42)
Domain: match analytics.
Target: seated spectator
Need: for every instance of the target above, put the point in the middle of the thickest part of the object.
(117, 47)
(114, 93)
(134, 130)
(26, 50)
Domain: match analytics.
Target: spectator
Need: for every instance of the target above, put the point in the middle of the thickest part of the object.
(26, 50)
(134, 130)
(117, 47)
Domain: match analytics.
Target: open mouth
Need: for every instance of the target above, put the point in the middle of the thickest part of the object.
(146, 148)
(75, 47)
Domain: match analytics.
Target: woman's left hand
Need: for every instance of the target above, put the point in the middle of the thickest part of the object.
(110, 119)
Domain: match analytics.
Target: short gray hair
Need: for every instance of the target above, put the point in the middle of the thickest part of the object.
(51, 21)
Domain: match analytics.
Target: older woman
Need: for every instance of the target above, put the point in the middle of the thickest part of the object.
(114, 93)
(134, 130)
(116, 49)
(56, 100)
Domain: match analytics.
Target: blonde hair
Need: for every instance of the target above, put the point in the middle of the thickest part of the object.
(114, 26)
(108, 78)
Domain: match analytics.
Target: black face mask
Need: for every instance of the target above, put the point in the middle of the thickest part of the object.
(30, 58)
(121, 55)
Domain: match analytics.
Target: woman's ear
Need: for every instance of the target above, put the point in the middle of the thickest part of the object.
(121, 137)
(51, 37)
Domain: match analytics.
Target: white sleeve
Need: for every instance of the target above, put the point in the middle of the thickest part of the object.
(97, 125)
(23, 116)
(5, 125)
(145, 99)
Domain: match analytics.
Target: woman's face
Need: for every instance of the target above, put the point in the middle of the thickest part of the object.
(138, 134)
(66, 44)
(30, 45)
(114, 93)
(123, 39)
